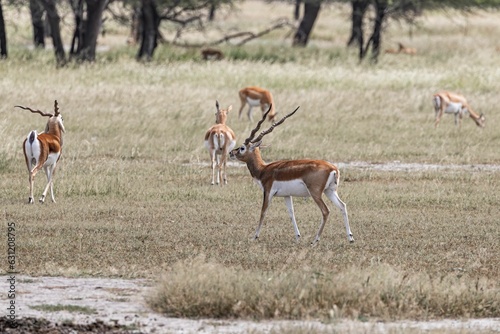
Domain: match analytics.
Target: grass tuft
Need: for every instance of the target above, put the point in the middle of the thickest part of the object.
(200, 288)
(67, 308)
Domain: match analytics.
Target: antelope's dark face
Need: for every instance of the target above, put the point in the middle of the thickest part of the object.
(238, 153)
(245, 152)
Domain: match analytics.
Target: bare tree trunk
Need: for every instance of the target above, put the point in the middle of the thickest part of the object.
(36, 10)
(311, 11)
(374, 41)
(91, 29)
(358, 11)
(135, 26)
(211, 11)
(3, 36)
(150, 23)
(296, 12)
(77, 41)
(54, 19)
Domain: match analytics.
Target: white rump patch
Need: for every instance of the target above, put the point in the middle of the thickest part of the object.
(32, 151)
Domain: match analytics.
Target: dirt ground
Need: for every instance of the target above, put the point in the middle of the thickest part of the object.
(103, 305)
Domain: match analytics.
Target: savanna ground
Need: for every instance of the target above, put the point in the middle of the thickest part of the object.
(133, 190)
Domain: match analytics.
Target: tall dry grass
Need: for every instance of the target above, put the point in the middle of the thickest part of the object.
(133, 187)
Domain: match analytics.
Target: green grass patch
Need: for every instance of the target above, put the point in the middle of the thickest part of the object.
(67, 308)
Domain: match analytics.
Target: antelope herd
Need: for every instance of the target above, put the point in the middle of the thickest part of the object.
(283, 178)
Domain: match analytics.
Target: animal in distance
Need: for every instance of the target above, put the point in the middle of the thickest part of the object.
(446, 102)
(212, 53)
(402, 49)
(43, 150)
(255, 96)
(219, 141)
(288, 178)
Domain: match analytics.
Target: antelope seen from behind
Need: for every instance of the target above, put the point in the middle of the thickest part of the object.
(456, 104)
(43, 150)
(256, 97)
(219, 141)
(287, 178)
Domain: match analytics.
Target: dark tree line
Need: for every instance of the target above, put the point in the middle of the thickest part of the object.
(147, 15)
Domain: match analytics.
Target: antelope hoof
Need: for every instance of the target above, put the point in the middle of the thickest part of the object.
(30, 200)
(351, 239)
(42, 199)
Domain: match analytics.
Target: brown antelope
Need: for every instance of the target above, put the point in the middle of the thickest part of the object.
(456, 104)
(43, 150)
(287, 178)
(402, 49)
(220, 140)
(255, 96)
(211, 53)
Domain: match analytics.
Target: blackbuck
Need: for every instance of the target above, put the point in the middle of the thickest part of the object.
(43, 150)
(220, 140)
(456, 104)
(287, 178)
(257, 97)
(402, 49)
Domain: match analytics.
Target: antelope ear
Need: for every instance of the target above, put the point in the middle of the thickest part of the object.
(217, 105)
(229, 108)
(253, 146)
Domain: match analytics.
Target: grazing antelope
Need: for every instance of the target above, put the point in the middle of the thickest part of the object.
(44, 150)
(220, 140)
(255, 96)
(451, 103)
(287, 178)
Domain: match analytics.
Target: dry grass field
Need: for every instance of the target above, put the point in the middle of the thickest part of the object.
(133, 186)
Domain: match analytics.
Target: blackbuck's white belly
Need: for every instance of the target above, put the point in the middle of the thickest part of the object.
(296, 188)
(253, 102)
(453, 108)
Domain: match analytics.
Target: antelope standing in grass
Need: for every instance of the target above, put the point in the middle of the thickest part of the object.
(255, 96)
(43, 150)
(220, 140)
(456, 104)
(287, 178)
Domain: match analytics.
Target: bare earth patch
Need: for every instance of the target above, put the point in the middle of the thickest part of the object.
(85, 301)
